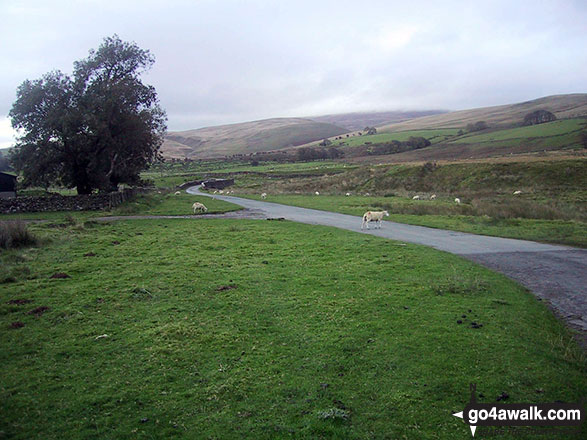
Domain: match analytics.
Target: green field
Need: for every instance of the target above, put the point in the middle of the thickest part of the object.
(434, 136)
(255, 329)
(555, 128)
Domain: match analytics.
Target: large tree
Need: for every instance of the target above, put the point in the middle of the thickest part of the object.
(94, 130)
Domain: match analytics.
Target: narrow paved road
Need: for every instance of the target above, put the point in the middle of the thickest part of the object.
(557, 274)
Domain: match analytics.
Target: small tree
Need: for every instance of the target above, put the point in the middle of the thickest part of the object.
(95, 130)
(417, 142)
(539, 117)
(477, 126)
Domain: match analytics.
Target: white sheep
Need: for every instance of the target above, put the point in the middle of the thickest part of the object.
(348, 194)
(317, 193)
(221, 191)
(373, 216)
(264, 196)
(416, 198)
(517, 192)
(458, 201)
(433, 197)
(199, 207)
(177, 193)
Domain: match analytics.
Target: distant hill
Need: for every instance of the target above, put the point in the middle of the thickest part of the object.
(358, 121)
(246, 137)
(281, 133)
(563, 106)
(450, 139)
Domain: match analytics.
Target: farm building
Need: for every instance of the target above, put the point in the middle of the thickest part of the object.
(217, 183)
(7, 185)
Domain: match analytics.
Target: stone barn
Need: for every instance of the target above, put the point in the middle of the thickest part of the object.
(7, 186)
(217, 183)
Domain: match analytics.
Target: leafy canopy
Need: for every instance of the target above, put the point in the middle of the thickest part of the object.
(94, 130)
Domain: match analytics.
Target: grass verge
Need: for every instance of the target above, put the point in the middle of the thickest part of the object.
(168, 203)
(444, 214)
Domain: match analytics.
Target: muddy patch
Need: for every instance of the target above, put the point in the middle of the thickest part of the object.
(38, 312)
(20, 301)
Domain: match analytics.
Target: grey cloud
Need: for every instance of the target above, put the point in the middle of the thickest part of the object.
(230, 61)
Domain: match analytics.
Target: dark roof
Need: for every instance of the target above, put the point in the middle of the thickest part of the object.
(8, 175)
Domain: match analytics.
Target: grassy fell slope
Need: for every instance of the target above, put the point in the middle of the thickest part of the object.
(561, 134)
(247, 137)
(358, 121)
(563, 106)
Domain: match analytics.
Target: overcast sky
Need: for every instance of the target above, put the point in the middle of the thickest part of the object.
(220, 62)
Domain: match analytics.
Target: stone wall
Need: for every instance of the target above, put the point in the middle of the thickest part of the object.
(92, 202)
(188, 184)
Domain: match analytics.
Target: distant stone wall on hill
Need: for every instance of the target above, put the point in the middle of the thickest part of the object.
(92, 202)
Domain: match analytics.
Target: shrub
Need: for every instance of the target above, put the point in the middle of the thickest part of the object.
(15, 234)
(539, 117)
(477, 126)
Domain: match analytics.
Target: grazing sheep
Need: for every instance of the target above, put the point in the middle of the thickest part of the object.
(264, 196)
(214, 192)
(433, 197)
(177, 193)
(348, 194)
(317, 193)
(221, 191)
(199, 207)
(373, 216)
(416, 198)
(517, 192)
(458, 201)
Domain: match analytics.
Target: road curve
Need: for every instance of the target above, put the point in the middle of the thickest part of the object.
(557, 274)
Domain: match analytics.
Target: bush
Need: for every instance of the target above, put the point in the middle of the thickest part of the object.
(477, 126)
(15, 234)
(539, 117)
